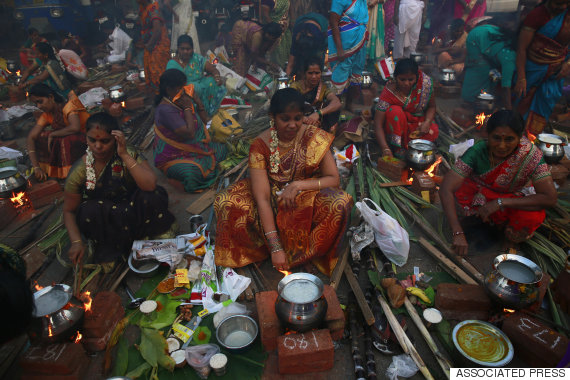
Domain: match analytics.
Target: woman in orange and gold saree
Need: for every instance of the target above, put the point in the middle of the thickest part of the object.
(291, 208)
(542, 62)
(156, 41)
(182, 147)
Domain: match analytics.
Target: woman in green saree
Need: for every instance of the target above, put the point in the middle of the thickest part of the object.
(208, 88)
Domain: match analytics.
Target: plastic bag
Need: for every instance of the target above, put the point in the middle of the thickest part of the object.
(93, 97)
(390, 237)
(233, 308)
(361, 238)
(234, 284)
(199, 358)
(403, 366)
(120, 42)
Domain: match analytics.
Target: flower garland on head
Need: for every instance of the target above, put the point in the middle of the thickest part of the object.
(90, 170)
(274, 159)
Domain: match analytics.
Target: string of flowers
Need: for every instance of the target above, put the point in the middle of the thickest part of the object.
(274, 159)
(90, 170)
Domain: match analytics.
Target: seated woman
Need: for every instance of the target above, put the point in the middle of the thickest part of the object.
(487, 181)
(182, 146)
(135, 54)
(406, 110)
(452, 55)
(58, 138)
(326, 104)
(291, 208)
(250, 44)
(309, 40)
(111, 196)
(488, 47)
(50, 72)
(210, 90)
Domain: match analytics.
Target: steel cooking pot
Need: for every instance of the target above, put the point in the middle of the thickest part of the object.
(301, 305)
(420, 154)
(142, 74)
(116, 93)
(57, 314)
(12, 66)
(447, 76)
(513, 281)
(418, 57)
(11, 180)
(552, 147)
(485, 102)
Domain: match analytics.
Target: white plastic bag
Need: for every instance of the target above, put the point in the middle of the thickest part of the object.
(401, 366)
(120, 42)
(390, 237)
(233, 283)
(93, 97)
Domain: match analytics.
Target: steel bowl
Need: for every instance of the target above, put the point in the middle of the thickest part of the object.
(242, 325)
(482, 344)
(305, 311)
(11, 180)
(143, 268)
(418, 57)
(513, 281)
(420, 154)
(448, 77)
(552, 147)
(116, 93)
(485, 102)
(57, 314)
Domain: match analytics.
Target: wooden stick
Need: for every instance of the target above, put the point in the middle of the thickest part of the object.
(366, 312)
(118, 280)
(339, 268)
(466, 130)
(241, 173)
(443, 362)
(235, 168)
(266, 283)
(449, 266)
(248, 291)
(447, 119)
(403, 339)
(393, 184)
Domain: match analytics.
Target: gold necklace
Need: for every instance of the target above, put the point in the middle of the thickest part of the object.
(289, 144)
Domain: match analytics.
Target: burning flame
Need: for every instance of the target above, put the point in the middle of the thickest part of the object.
(78, 337)
(18, 73)
(433, 40)
(38, 286)
(215, 61)
(87, 300)
(510, 311)
(431, 169)
(480, 119)
(18, 200)
(50, 333)
(483, 92)
(123, 104)
(285, 273)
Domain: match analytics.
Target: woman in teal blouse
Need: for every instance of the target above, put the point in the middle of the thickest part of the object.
(209, 88)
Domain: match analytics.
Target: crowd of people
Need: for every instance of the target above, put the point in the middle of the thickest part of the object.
(291, 205)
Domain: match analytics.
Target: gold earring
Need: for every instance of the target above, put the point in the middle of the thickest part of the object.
(271, 123)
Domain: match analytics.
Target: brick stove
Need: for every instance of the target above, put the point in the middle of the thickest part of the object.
(312, 351)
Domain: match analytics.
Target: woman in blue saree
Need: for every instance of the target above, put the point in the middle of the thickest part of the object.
(542, 62)
(208, 88)
(347, 37)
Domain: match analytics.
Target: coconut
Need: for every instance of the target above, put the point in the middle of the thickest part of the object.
(432, 315)
(179, 357)
(173, 344)
(148, 307)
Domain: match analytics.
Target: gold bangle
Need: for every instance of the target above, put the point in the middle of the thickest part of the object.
(77, 241)
(270, 232)
(31, 151)
(319, 185)
(133, 165)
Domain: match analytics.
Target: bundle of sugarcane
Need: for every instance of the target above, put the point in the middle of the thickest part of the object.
(359, 370)
(549, 256)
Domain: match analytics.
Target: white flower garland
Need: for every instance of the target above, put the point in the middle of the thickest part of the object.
(274, 159)
(90, 170)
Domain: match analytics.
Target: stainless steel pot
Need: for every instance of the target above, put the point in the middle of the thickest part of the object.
(391, 45)
(513, 281)
(116, 93)
(12, 66)
(418, 57)
(447, 76)
(420, 154)
(366, 79)
(142, 74)
(57, 315)
(11, 180)
(301, 305)
(485, 102)
(551, 147)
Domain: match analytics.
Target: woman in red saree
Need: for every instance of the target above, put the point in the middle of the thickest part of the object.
(487, 181)
(291, 208)
(156, 42)
(406, 110)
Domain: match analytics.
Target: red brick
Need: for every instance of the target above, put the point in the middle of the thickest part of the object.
(78, 374)
(543, 286)
(392, 170)
(99, 343)
(334, 318)
(44, 189)
(462, 297)
(8, 213)
(54, 359)
(132, 104)
(86, 86)
(12, 144)
(534, 342)
(269, 325)
(463, 117)
(312, 351)
(106, 310)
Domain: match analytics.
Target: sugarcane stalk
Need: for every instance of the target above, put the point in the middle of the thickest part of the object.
(443, 362)
(359, 370)
(370, 360)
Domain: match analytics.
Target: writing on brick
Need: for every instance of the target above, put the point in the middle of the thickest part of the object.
(525, 324)
(52, 352)
(299, 341)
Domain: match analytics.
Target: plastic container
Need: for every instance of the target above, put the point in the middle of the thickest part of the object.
(199, 358)
(219, 363)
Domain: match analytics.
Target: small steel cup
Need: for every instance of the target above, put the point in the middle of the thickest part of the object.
(195, 222)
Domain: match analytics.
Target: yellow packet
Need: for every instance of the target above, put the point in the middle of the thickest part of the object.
(200, 251)
(182, 332)
(181, 278)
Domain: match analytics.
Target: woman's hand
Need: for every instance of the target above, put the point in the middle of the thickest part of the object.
(76, 252)
(340, 54)
(40, 174)
(312, 119)
(387, 152)
(218, 79)
(279, 260)
(459, 244)
(487, 210)
(424, 127)
(121, 143)
(520, 88)
(289, 194)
